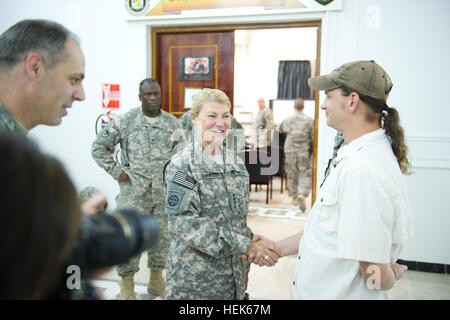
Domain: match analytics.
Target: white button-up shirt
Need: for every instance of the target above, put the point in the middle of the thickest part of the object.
(361, 213)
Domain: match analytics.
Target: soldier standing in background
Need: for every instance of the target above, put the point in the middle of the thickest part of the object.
(148, 137)
(298, 150)
(262, 125)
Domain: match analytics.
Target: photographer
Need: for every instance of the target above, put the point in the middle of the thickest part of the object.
(41, 220)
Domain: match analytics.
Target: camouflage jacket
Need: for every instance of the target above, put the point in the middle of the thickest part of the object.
(300, 133)
(145, 148)
(263, 119)
(9, 124)
(207, 206)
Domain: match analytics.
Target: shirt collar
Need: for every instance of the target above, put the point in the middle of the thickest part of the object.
(359, 143)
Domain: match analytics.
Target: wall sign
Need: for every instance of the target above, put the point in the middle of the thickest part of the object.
(110, 95)
(174, 9)
(189, 94)
(137, 7)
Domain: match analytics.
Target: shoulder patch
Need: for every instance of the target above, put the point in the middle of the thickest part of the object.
(184, 180)
(174, 198)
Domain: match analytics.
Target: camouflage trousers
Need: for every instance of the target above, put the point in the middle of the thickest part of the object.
(298, 167)
(157, 255)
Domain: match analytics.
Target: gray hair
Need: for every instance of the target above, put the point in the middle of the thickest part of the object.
(47, 37)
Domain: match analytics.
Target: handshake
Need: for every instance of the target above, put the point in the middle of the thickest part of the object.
(263, 251)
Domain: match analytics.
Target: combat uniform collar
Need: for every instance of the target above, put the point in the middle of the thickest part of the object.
(12, 126)
(163, 116)
(204, 162)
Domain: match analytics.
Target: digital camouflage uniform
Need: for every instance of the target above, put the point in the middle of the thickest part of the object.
(9, 124)
(298, 153)
(207, 206)
(145, 149)
(262, 127)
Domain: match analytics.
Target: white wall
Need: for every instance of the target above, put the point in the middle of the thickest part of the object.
(115, 52)
(257, 56)
(409, 38)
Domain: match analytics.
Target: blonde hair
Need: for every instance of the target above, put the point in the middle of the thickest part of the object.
(205, 96)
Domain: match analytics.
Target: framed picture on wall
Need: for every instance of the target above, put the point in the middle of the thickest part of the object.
(195, 68)
(189, 94)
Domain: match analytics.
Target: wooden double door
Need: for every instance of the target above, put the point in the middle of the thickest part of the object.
(184, 62)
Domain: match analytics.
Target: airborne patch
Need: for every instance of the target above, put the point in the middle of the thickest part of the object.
(173, 199)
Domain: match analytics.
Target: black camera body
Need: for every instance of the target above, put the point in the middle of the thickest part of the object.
(109, 239)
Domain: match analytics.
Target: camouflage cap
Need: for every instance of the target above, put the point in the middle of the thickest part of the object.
(364, 77)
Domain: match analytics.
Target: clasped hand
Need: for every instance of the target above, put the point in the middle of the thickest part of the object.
(262, 252)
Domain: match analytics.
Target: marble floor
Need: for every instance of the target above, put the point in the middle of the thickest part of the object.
(276, 220)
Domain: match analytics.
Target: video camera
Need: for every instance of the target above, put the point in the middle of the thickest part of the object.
(109, 239)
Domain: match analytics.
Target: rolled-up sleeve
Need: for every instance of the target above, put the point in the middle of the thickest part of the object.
(103, 148)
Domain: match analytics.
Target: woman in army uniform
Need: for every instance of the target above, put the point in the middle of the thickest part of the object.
(207, 194)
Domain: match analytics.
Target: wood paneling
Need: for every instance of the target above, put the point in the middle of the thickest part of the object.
(170, 46)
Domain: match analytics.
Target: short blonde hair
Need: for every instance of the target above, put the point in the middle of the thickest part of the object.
(205, 96)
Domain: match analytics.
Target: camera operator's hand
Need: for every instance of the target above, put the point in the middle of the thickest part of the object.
(93, 204)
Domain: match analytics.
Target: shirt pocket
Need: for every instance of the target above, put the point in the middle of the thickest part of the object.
(328, 217)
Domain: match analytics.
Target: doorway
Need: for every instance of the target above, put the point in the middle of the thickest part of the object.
(166, 66)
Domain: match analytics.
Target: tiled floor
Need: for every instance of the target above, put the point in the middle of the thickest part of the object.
(277, 220)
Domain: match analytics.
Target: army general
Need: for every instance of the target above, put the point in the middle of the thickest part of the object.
(207, 203)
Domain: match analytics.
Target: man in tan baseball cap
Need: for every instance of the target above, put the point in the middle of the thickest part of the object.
(360, 221)
(365, 77)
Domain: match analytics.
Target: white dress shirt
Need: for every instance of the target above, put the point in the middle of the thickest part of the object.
(361, 213)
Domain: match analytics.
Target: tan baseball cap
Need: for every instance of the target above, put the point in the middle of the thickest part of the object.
(364, 77)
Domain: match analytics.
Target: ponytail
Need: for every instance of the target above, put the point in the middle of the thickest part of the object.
(390, 120)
